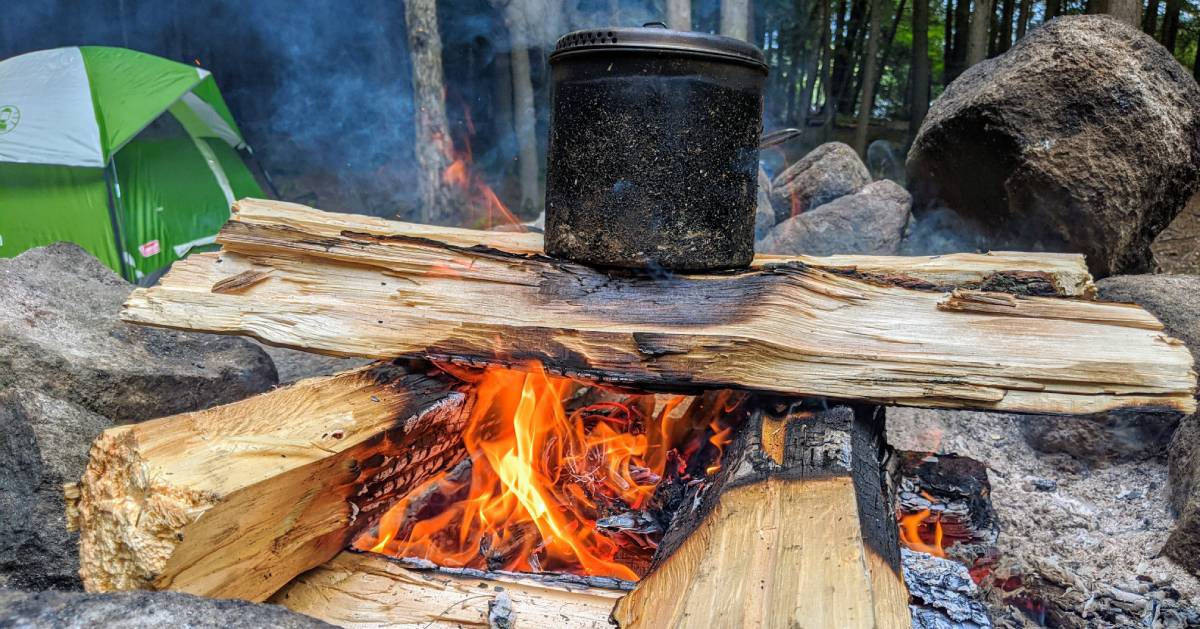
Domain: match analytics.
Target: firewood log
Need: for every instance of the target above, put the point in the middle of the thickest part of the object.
(363, 590)
(353, 286)
(234, 501)
(795, 530)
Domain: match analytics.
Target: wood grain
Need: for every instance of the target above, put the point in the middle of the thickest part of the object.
(234, 501)
(365, 590)
(784, 327)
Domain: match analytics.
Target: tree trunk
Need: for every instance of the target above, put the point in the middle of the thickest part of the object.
(1006, 26)
(919, 78)
(679, 14)
(869, 68)
(1150, 18)
(1023, 18)
(1171, 25)
(1196, 65)
(345, 285)
(1053, 8)
(1127, 11)
(886, 46)
(433, 143)
(735, 18)
(977, 45)
(948, 38)
(845, 81)
(525, 117)
(962, 31)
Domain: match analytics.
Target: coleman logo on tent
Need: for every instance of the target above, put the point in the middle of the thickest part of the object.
(149, 249)
(9, 117)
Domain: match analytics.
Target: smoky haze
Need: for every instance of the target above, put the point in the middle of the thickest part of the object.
(322, 88)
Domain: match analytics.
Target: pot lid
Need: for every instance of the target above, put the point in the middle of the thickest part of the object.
(654, 36)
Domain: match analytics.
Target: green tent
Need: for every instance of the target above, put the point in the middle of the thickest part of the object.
(88, 155)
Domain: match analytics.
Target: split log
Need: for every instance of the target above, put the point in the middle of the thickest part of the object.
(784, 327)
(796, 530)
(369, 590)
(1043, 274)
(234, 501)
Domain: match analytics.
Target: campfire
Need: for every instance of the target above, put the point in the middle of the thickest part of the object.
(561, 477)
(572, 446)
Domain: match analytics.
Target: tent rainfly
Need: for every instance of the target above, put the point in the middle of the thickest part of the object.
(88, 156)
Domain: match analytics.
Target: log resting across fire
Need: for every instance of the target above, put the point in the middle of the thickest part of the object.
(234, 501)
(353, 286)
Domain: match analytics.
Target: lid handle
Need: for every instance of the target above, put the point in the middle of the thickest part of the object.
(654, 25)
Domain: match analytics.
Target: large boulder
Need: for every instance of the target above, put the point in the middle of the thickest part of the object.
(43, 444)
(1084, 137)
(139, 610)
(59, 334)
(870, 221)
(829, 171)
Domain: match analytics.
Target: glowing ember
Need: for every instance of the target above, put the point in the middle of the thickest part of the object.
(547, 488)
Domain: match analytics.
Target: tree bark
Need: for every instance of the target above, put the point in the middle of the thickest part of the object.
(981, 19)
(919, 78)
(1171, 25)
(816, 61)
(870, 67)
(1006, 26)
(1127, 11)
(735, 18)
(433, 144)
(524, 115)
(235, 500)
(1023, 18)
(962, 28)
(1053, 8)
(679, 14)
(353, 286)
(1150, 18)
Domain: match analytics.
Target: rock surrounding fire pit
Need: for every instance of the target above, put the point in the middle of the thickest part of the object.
(870, 221)
(1083, 137)
(59, 334)
(830, 171)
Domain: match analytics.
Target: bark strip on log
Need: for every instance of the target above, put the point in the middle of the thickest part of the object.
(1044, 274)
(795, 530)
(234, 501)
(788, 328)
(369, 590)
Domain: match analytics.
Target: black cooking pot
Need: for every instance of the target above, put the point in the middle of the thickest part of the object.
(653, 159)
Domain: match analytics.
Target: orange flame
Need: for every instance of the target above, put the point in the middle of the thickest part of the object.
(481, 202)
(913, 524)
(540, 480)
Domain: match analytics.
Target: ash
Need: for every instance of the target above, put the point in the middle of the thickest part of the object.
(1079, 541)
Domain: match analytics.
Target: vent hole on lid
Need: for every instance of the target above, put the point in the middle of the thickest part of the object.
(610, 34)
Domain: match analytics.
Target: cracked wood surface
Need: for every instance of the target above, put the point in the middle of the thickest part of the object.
(354, 286)
(235, 500)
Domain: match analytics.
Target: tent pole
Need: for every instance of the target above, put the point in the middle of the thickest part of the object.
(110, 180)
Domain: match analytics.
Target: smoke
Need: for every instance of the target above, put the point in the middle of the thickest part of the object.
(939, 230)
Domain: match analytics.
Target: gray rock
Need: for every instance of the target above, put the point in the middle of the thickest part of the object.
(870, 221)
(293, 365)
(1100, 439)
(59, 334)
(1082, 137)
(829, 171)
(44, 444)
(136, 610)
(1183, 546)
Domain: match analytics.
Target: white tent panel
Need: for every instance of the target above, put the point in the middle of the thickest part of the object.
(212, 120)
(46, 110)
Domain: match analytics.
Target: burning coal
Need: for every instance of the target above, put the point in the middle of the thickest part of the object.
(560, 479)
